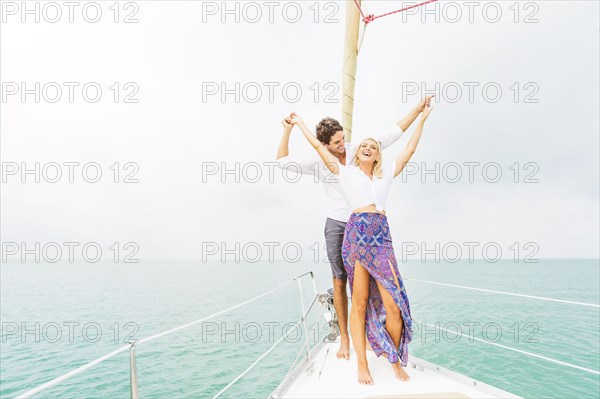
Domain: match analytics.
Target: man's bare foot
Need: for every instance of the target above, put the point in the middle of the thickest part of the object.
(344, 352)
(364, 375)
(399, 371)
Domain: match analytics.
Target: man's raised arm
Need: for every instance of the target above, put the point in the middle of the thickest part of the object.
(305, 166)
(284, 149)
(394, 133)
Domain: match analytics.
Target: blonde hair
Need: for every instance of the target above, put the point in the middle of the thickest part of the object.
(377, 172)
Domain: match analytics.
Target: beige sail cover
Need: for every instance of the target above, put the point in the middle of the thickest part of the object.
(349, 70)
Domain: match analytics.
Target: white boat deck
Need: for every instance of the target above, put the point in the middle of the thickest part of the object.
(329, 377)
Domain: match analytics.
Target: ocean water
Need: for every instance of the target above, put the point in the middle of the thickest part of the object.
(56, 318)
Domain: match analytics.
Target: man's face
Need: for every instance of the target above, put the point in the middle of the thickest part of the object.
(337, 143)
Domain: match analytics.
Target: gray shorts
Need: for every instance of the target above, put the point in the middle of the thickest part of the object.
(334, 237)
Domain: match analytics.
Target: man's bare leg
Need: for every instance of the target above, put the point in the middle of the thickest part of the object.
(340, 301)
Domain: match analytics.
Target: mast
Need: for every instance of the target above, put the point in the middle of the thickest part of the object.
(349, 69)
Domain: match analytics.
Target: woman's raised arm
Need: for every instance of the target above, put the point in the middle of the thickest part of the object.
(411, 146)
(330, 161)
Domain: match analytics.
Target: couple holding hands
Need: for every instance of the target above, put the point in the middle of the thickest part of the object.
(359, 243)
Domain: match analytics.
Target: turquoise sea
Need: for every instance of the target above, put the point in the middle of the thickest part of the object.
(56, 318)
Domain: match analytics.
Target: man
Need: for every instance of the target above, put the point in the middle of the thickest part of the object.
(330, 133)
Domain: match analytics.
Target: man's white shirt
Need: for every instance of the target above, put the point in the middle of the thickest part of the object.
(338, 207)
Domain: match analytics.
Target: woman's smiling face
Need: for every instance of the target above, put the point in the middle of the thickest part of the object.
(368, 151)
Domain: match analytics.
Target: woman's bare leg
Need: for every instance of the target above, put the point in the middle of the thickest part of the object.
(360, 298)
(394, 326)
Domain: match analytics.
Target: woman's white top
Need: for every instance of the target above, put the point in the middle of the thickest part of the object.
(361, 191)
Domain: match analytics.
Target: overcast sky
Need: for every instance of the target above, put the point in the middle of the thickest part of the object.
(517, 93)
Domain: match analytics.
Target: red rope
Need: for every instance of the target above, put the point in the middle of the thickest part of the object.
(360, 9)
(370, 18)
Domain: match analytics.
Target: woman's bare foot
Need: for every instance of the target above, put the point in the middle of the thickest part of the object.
(344, 352)
(364, 375)
(399, 371)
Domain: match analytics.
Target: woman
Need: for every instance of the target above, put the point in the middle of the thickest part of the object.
(379, 302)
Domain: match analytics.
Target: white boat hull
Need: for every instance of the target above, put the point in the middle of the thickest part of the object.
(328, 377)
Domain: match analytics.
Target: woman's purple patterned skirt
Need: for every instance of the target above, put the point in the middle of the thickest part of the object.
(367, 240)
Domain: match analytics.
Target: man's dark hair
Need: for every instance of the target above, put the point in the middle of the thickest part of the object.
(326, 128)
